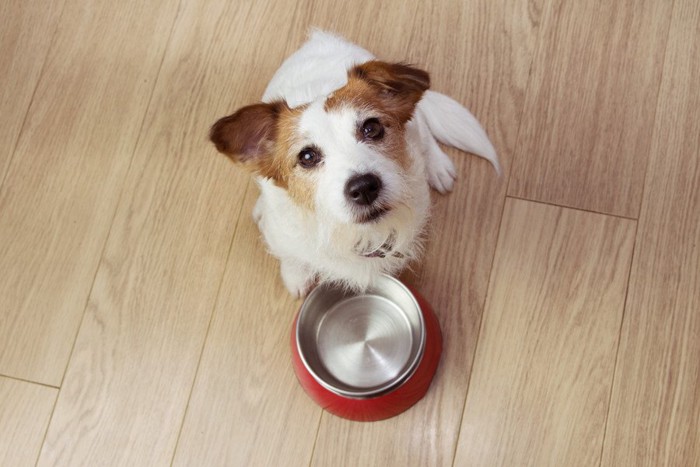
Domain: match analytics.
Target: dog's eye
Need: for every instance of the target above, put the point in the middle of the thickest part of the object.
(372, 129)
(309, 157)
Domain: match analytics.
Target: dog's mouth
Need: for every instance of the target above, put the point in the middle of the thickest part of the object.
(372, 214)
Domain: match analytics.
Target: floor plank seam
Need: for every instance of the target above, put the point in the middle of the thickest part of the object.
(38, 383)
(318, 432)
(573, 208)
(31, 99)
(619, 339)
(46, 431)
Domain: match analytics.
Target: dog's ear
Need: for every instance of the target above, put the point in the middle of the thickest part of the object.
(399, 86)
(249, 134)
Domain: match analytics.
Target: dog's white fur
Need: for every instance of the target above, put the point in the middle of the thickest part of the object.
(326, 243)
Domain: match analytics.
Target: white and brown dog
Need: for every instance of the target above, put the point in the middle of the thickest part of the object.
(344, 149)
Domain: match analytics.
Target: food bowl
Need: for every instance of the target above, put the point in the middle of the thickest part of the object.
(366, 356)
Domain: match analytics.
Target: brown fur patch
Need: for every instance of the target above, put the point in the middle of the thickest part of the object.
(397, 85)
(372, 100)
(248, 133)
(262, 138)
(283, 166)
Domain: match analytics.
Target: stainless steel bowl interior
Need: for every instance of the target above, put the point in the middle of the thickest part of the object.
(361, 345)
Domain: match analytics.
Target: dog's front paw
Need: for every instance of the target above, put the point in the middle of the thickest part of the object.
(441, 170)
(298, 279)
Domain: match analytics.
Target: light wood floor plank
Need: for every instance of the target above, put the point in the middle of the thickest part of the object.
(478, 52)
(63, 185)
(26, 29)
(25, 409)
(246, 370)
(655, 410)
(590, 106)
(544, 364)
(144, 329)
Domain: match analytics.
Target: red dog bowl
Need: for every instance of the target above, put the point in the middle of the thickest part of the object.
(366, 356)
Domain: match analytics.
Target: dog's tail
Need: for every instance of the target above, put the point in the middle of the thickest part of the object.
(455, 126)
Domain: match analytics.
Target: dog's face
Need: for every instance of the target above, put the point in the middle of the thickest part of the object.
(345, 156)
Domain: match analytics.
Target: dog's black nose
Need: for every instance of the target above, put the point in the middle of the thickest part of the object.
(363, 189)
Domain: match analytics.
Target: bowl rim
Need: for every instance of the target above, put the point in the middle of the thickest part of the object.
(396, 382)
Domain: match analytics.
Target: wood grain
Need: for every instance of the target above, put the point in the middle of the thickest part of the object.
(544, 364)
(26, 29)
(63, 185)
(114, 207)
(246, 370)
(590, 105)
(162, 267)
(655, 410)
(25, 409)
(487, 70)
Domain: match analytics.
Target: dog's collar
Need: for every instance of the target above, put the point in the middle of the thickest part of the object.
(383, 250)
(382, 254)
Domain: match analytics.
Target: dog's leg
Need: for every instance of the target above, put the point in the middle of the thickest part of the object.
(441, 170)
(297, 277)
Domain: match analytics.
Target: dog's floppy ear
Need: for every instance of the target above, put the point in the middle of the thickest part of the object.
(400, 86)
(248, 134)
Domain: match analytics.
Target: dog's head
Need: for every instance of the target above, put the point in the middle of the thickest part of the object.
(345, 155)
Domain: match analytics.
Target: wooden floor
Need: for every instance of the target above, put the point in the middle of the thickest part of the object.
(143, 324)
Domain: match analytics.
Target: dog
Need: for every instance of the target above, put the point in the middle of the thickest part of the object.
(344, 148)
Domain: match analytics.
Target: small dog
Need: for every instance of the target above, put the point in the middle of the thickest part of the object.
(344, 150)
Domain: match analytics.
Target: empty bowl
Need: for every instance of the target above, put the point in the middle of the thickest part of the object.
(366, 356)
